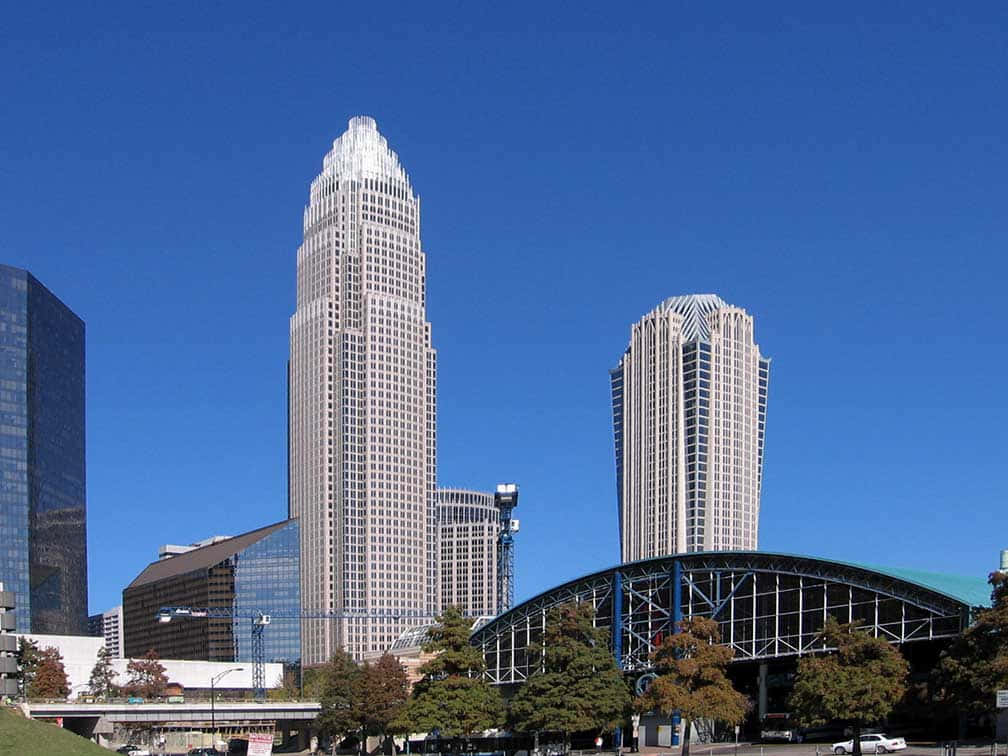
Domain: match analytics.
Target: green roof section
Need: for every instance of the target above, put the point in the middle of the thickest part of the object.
(974, 591)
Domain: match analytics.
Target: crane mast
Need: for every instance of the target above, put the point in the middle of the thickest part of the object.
(506, 499)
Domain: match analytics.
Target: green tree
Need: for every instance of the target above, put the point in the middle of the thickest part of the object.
(578, 688)
(102, 682)
(691, 678)
(29, 656)
(858, 684)
(975, 665)
(50, 679)
(384, 693)
(453, 697)
(340, 692)
(147, 676)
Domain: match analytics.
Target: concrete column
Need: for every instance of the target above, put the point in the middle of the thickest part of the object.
(762, 690)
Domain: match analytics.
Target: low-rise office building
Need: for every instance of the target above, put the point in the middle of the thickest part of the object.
(235, 578)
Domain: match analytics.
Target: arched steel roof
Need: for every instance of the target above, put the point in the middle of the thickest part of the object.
(767, 605)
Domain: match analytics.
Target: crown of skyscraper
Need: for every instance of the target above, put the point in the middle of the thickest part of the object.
(362, 152)
(695, 309)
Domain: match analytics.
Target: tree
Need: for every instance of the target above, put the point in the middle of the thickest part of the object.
(453, 697)
(147, 676)
(691, 678)
(975, 665)
(858, 684)
(578, 687)
(50, 679)
(29, 656)
(102, 682)
(384, 692)
(339, 683)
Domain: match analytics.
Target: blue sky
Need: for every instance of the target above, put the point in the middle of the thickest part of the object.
(841, 173)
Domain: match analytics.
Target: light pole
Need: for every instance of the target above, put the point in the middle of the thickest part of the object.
(213, 682)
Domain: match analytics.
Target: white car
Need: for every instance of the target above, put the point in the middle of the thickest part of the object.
(874, 743)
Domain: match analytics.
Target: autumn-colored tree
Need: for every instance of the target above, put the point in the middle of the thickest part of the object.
(858, 684)
(290, 686)
(453, 697)
(691, 678)
(29, 656)
(578, 688)
(975, 665)
(50, 679)
(147, 676)
(102, 681)
(339, 685)
(384, 692)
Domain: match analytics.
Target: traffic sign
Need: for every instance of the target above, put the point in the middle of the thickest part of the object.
(1002, 699)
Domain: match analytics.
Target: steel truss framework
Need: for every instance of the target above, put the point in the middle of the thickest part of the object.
(767, 606)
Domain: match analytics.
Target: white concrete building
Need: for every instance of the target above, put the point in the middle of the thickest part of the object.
(80, 652)
(362, 413)
(689, 414)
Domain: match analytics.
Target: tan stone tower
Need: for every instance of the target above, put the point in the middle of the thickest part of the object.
(689, 415)
(362, 378)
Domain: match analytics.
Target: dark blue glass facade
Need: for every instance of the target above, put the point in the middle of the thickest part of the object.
(266, 579)
(696, 395)
(43, 540)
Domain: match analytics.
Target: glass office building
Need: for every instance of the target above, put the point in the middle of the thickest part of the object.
(43, 541)
(239, 577)
(267, 579)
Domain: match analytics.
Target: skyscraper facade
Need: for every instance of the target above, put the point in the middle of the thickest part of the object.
(43, 558)
(361, 384)
(689, 413)
(469, 529)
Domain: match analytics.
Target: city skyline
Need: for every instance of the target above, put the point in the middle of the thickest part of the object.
(574, 173)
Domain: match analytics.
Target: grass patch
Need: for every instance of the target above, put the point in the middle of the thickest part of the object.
(26, 737)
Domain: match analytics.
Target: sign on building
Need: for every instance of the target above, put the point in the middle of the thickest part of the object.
(1002, 699)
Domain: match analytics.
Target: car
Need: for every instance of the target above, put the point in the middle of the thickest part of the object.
(133, 750)
(204, 752)
(874, 742)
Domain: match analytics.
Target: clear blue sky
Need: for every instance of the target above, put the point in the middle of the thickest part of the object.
(840, 173)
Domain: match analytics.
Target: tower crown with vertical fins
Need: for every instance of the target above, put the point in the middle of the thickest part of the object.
(696, 310)
(362, 152)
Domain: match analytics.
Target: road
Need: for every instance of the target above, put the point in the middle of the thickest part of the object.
(814, 749)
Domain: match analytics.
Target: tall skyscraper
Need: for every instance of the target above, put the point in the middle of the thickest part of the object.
(689, 413)
(42, 485)
(362, 412)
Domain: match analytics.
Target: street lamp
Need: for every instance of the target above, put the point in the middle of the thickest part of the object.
(213, 682)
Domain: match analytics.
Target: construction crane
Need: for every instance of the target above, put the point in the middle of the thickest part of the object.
(506, 499)
(260, 620)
